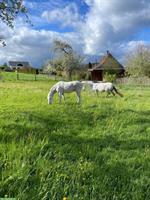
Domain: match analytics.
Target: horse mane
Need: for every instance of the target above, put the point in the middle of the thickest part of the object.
(53, 89)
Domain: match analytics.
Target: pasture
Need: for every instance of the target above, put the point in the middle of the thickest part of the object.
(98, 150)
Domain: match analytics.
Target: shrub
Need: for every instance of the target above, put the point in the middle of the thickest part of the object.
(110, 77)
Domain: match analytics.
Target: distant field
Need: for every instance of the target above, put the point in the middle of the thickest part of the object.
(99, 150)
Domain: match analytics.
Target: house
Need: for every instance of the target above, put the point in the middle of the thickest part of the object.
(108, 64)
(22, 67)
(18, 64)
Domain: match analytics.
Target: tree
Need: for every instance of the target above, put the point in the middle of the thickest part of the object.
(66, 58)
(53, 67)
(60, 46)
(4, 66)
(138, 61)
(9, 10)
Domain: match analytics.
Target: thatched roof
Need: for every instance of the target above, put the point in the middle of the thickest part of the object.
(108, 62)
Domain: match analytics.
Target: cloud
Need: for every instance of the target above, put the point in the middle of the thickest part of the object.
(112, 22)
(26, 44)
(67, 16)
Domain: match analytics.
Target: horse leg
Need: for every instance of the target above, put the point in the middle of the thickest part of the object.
(78, 96)
(60, 97)
(108, 93)
(63, 96)
(83, 88)
(113, 93)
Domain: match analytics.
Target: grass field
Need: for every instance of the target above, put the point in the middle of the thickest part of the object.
(99, 150)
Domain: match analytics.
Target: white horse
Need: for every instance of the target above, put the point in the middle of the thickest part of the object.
(102, 87)
(106, 87)
(65, 87)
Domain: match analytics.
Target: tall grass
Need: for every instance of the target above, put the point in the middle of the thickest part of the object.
(98, 150)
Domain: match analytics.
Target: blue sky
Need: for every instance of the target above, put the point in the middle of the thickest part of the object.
(90, 26)
(76, 6)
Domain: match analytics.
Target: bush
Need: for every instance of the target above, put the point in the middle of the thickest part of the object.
(79, 75)
(110, 77)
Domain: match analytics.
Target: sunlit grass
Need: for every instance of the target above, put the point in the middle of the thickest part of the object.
(94, 151)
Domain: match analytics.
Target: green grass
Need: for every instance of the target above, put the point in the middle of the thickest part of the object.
(99, 150)
(12, 76)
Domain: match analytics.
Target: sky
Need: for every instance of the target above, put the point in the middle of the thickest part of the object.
(91, 26)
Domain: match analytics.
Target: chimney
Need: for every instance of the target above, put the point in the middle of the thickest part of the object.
(108, 52)
(90, 65)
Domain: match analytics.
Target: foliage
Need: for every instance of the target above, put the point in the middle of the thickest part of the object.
(66, 59)
(138, 61)
(53, 66)
(9, 10)
(71, 62)
(4, 66)
(97, 150)
(61, 46)
(110, 77)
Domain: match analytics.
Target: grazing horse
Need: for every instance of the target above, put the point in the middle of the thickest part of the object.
(106, 87)
(65, 87)
(101, 87)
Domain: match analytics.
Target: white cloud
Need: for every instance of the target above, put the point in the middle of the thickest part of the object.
(112, 22)
(26, 44)
(67, 16)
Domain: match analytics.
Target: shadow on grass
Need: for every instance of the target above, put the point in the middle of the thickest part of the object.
(71, 154)
(62, 128)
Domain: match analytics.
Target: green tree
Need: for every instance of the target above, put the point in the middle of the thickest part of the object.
(4, 66)
(65, 59)
(138, 61)
(53, 66)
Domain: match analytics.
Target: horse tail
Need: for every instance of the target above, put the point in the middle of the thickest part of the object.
(114, 88)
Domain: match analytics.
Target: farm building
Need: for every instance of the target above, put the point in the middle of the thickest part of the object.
(23, 67)
(108, 64)
(18, 64)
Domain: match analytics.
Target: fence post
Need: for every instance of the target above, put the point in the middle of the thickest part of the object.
(17, 74)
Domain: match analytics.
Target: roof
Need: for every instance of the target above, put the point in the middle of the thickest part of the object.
(108, 62)
(17, 63)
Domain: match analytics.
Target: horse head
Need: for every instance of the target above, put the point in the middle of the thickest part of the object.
(50, 95)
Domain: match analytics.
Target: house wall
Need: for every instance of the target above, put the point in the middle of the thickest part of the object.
(97, 75)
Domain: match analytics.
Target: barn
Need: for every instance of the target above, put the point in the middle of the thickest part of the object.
(108, 64)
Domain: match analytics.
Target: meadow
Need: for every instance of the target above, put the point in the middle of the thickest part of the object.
(98, 150)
